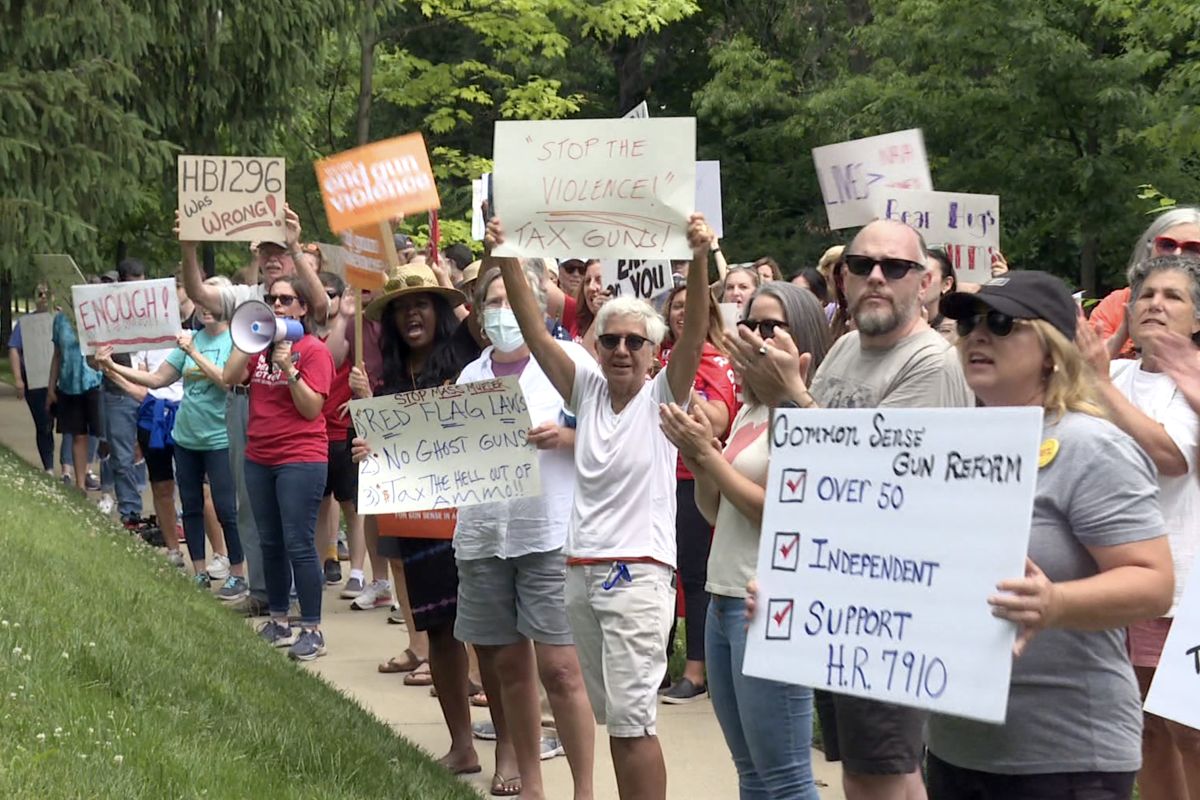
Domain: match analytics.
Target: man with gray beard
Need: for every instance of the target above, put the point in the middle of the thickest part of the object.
(893, 359)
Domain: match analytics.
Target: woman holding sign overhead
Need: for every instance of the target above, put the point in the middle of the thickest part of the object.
(621, 539)
(1098, 561)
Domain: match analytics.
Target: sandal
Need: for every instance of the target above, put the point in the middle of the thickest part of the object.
(409, 663)
(505, 787)
(421, 676)
(479, 699)
(473, 690)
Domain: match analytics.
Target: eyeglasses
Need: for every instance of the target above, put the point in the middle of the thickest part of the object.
(1169, 246)
(997, 323)
(574, 269)
(332, 295)
(766, 327)
(611, 341)
(893, 268)
(284, 300)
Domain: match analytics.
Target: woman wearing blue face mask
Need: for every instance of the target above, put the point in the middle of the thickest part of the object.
(511, 568)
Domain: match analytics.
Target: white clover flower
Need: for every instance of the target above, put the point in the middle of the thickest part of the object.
(65, 654)
(118, 759)
(17, 651)
(41, 737)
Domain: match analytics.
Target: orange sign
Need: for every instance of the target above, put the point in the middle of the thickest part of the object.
(437, 524)
(365, 258)
(377, 182)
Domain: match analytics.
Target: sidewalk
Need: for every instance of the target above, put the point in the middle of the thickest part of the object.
(698, 763)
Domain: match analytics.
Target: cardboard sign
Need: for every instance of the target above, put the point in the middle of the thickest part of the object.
(231, 198)
(596, 188)
(447, 447)
(333, 256)
(365, 261)
(731, 314)
(59, 273)
(708, 195)
(864, 562)
(37, 348)
(852, 173)
(138, 315)
(645, 280)
(377, 182)
(1175, 691)
(967, 225)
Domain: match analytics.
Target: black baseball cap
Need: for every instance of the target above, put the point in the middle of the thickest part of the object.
(1021, 294)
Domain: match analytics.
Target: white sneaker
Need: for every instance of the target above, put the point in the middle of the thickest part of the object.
(218, 567)
(105, 503)
(175, 558)
(378, 594)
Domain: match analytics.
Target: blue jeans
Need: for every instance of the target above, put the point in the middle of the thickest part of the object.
(767, 724)
(285, 499)
(120, 423)
(66, 453)
(190, 468)
(42, 424)
(237, 415)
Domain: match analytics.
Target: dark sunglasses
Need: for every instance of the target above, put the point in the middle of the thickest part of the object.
(284, 300)
(332, 295)
(766, 327)
(611, 341)
(574, 269)
(1169, 246)
(997, 323)
(893, 268)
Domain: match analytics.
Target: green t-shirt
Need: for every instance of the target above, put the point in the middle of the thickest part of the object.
(200, 421)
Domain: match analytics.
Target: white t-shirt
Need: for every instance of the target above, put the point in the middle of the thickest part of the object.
(513, 528)
(150, 360)
(1156, 396)
(624, 473)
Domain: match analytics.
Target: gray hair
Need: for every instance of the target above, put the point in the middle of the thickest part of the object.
(632, 308)
(1188, 265)
(805, 318)
(1144, 248)
(535, 271)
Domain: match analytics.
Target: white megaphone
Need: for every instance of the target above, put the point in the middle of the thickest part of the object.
(254, 327)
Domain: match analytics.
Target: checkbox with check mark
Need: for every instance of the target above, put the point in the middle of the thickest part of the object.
(791, 487)
(779, 618)
(786, 554)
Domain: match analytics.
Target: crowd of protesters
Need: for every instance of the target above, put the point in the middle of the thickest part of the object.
(650, 421)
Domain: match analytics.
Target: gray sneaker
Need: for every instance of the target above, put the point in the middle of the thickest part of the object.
(352, 589)
(234, 589)
(485, 730)
(309, 645)
(277, 635)
(201, 580)
(551, 748)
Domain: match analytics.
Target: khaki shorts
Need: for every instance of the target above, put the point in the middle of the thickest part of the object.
(621, 637)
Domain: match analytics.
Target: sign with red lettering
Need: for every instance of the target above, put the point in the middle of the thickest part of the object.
(852, 173)
(967, 225)
(230, 198)
(596, 188)
(138, 315)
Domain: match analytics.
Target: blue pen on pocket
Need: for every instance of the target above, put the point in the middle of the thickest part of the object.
(619, 571)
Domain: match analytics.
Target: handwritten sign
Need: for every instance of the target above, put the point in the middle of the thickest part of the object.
(365, 262)
(865, 564)
(852, 173)
(632, 278)
(446, 447)
(230, 198)
(600, 188)
(138, 315)
(37, 348)
(1175, 691)
(60, 273)
(377, 182)
(967, 225)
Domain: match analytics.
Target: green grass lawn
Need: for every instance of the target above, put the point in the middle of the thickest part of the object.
(118, 679)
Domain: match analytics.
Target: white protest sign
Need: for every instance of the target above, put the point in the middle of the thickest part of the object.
(730, 315)
(480, 191)
(445, 447)
(37, 348)
(708, 195)
(137, 315)
(231, 198)
(1175, 691)
(594, 187)
(851, 173)
(884, 530)
(633, 278)
(967, 225)
(640, 111)
(59, 272)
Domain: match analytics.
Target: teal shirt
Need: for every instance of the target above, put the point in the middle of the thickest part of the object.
(74, 374)
(200, 421)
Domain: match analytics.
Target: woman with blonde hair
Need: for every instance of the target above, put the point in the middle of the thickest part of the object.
(1098, 561)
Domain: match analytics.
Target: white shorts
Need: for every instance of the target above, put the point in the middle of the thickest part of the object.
(621, 637)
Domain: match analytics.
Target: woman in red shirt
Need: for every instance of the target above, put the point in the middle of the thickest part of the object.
(286, 456)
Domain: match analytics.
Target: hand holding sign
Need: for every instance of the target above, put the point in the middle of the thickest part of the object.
(228, 199)
(1033, 602)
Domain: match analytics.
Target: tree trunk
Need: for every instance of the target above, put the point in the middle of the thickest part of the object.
(1087, 263)
(628, 59)
(367, 37)
(859, 14)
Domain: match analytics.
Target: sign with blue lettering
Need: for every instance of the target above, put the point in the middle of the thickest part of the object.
(445, 447)
(967, 225)
(1175, 692)
(884, 533)
(852, 173)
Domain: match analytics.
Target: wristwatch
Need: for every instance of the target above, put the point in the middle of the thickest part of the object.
(294, 377)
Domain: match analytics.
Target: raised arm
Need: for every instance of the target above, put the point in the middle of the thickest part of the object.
(208, 368)
(165, 375)
(553, 360)
(685, 356)
(305, 269)
(193, 277)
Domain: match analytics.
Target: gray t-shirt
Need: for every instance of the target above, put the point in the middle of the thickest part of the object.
(920, 371)
(234, 296)
(1073, 705)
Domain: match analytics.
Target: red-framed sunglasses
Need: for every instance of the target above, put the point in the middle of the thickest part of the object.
(1170, 246)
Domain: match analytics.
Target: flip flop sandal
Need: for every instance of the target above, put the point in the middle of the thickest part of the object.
(419, 676)
(479, 700)
(505, 787)
(394, 665)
